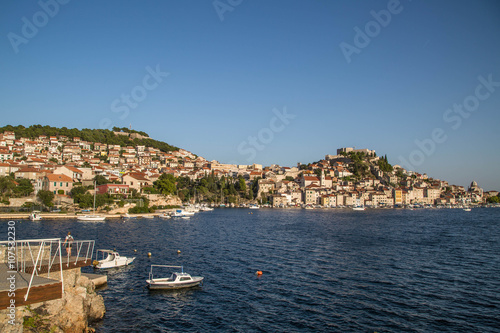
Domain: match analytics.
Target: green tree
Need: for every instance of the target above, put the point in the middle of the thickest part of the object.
(100, 180)
(242, 186)
(494, 199)
(46, 197)
(24, 187)
(77, 190)
(166, 184)
(6, 185)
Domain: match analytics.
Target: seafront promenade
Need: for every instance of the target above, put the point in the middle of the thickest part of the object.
(54, 216)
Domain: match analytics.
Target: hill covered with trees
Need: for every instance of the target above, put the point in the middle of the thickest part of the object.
(90, 135)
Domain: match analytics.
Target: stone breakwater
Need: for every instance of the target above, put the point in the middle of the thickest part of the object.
(79, 307)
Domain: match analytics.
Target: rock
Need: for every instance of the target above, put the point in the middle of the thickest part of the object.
(79, 306)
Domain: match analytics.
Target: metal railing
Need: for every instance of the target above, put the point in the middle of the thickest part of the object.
(43, 256)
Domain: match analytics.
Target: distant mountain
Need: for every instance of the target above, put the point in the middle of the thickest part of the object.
(124, 136)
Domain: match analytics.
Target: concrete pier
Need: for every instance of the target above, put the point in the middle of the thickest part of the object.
(99, 280)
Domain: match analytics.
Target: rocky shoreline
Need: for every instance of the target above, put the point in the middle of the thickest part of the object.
(79, 307)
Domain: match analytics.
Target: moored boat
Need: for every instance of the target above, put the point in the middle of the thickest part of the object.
(176, 281)
(112, 259)
(35, 216)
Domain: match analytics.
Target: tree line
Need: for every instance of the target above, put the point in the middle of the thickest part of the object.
(90, 135)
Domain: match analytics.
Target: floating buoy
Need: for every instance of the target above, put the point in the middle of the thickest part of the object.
(259, 273)
(178, 251)
(149, 254)
(135, 250)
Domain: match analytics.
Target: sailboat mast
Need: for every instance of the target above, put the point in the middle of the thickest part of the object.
(95, 189)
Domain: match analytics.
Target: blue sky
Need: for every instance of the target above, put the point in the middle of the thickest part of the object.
(266, 81)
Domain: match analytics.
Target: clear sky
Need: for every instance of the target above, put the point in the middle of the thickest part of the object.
(269, 82)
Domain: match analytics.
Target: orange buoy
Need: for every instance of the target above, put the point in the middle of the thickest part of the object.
(259, 273)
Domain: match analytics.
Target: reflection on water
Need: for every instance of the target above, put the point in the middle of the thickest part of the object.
(323, 270)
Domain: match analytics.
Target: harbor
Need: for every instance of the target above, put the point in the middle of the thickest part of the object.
(327, 269)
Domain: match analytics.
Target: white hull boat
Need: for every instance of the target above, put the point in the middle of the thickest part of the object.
(358, 208)
(112, 260)
(254, 207)
(91, 218)
(165, 216)
(35, 216)
(177, 280)
(182, 213)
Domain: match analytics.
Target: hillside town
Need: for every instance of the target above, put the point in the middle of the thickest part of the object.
(348, 178)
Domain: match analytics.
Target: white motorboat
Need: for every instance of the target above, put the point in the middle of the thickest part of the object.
(176, 281)
(35, 216)
(165, 216)
(127, 216)
(182, 213)
(467, 209)
(185, 217)
(111, 259)
(206, 209)
(93, 217)
(254, 207)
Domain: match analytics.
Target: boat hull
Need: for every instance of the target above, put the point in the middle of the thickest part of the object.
(170, 285)
(91, 218)
(123, 261)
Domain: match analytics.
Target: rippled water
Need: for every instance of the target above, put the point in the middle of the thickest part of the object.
(323, 270)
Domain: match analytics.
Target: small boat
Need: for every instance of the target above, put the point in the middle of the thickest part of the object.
(182, 213)
(165, 216)
(148, 217)
(467, 209)
(254, 207)
(185, 217)
(175, 281)
(35, 216)
(91, 218)
(112, 259)
(127, 216)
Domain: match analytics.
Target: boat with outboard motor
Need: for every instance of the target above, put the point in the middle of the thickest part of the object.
(177, 280)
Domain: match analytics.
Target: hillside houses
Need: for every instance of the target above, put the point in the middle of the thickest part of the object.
(57, 163)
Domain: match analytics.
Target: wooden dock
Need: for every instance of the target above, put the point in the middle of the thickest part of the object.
(42, 289)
